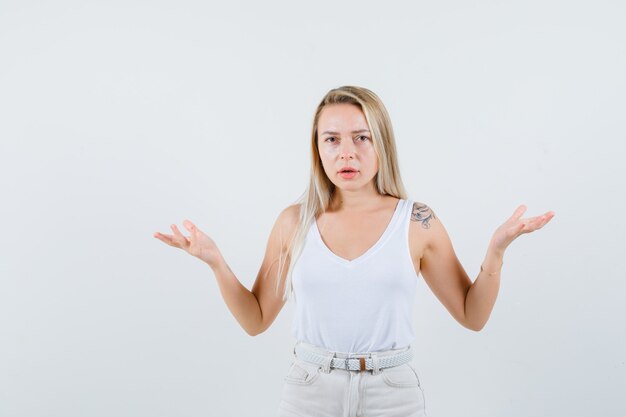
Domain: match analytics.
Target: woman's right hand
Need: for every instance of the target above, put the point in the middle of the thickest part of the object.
(197, 244)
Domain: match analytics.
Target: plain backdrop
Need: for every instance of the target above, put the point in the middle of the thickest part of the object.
(120, 118)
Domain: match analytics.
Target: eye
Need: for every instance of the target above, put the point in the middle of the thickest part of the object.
(330, 137)
(366, 138)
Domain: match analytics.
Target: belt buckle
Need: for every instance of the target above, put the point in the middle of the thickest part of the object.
(362, 367)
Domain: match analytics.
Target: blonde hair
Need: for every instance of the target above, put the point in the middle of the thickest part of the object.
(317, 196)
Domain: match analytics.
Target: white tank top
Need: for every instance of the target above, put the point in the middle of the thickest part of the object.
(358, 306)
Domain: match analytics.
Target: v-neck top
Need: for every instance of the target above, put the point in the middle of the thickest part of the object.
(372, 249)
(360, 305)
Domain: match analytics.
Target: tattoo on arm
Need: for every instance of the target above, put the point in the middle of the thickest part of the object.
(422, 213)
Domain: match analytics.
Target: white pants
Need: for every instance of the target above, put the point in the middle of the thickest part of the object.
(312, 390)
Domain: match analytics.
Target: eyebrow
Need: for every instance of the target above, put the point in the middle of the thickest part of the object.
(336, 133)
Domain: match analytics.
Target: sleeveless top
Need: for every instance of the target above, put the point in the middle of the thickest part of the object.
(358, 306)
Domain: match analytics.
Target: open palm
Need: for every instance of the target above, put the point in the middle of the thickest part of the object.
(516, 226)
(197, 244)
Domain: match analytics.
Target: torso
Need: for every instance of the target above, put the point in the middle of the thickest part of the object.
(349, 234)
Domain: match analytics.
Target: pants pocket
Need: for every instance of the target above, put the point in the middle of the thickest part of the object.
(302, 373)
(415, 372)
(403, 376)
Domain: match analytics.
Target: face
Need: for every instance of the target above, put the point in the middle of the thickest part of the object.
(344, 139)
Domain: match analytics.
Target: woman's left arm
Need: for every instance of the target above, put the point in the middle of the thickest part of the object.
(471, 303)
(481, 296)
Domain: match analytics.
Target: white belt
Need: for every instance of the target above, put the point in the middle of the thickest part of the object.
(361, 363)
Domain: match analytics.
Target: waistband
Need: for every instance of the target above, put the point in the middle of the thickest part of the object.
(352, 361)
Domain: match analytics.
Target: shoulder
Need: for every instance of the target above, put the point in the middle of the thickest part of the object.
(425, 229)
(289, 219)
(422, 215)
(285, 227)
(290, 214)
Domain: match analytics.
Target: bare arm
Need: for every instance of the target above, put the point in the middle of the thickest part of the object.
(257, 309)
(469, 303)
(439, 264)
(254, 310)
(481, 297)
(242, 303)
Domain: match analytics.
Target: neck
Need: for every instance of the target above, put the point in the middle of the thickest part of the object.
(355, 200)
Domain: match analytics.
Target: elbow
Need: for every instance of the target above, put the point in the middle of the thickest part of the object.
(476, 328)
(473, 326)
(255, 331)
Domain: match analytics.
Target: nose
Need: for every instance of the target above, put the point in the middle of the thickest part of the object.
(347, 150)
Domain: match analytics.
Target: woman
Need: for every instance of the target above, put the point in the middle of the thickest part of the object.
(350, 252)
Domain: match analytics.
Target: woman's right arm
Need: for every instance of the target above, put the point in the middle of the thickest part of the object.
(257, 309)
(254, 310)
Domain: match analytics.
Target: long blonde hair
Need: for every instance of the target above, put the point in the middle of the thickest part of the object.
(317, 196)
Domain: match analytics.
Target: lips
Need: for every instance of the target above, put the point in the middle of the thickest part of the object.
(348, 169)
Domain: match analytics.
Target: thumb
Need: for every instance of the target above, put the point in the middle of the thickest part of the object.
(190, 226)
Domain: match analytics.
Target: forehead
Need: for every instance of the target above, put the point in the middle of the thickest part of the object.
(341, 117)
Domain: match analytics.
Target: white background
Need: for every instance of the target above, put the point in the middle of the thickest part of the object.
(120, 118)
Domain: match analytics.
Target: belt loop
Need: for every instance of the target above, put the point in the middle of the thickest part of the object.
(375, 363)
(328, 358)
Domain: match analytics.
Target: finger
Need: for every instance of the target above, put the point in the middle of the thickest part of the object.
(176, 231)
(157, 234)
(164, 238)
(179, 235)
(189, 226)
(545, 219)
(192, 229)
(532, 220)
(518, 213)
(532, 224)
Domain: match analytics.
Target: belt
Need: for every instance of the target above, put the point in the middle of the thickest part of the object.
(355, 363)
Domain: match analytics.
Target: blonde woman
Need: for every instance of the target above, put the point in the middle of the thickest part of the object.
(350, 251)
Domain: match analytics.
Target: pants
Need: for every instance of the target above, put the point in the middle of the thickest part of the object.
(312, 390)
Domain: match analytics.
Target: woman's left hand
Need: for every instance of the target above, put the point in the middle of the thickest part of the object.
(515, 226)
